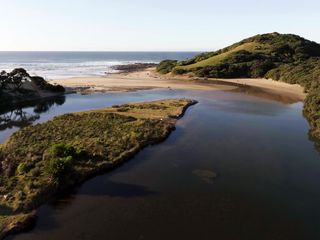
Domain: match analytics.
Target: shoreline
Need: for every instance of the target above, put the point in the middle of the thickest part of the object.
(149, 79)
(23, 216)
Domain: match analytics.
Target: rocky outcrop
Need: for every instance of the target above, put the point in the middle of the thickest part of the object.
(18, 86)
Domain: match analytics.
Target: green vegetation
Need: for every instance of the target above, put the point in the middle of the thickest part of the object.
(18, 85)
(166, 66)
(58, 166)
(39, 161)
(284, 57)
(261, 52)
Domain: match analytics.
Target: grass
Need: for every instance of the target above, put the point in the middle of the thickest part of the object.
(222, 57)
(251, 57)
(153, 110)
(41, 160)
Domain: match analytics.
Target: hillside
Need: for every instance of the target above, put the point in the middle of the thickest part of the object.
(285, 57)
(252, 57)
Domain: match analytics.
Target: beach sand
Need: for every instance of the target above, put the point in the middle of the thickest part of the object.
(149, 79)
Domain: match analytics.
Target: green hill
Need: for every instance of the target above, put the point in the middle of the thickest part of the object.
(252, 57)
(285, 57)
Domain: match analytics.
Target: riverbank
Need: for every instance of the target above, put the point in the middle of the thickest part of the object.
(149, 79)
(71, 148)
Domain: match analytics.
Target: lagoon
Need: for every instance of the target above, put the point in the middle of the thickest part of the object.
(237, 167)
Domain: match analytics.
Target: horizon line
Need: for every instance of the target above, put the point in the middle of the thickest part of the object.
(107, 51)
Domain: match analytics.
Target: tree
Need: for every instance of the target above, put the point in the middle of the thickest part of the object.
(17, 81)
(17, 77)
(3, 80)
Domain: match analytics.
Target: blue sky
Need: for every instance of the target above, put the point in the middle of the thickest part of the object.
(147, 25)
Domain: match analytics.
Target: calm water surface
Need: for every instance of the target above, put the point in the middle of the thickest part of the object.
(237, 167)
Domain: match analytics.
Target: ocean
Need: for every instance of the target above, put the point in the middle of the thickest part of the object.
(58, 65)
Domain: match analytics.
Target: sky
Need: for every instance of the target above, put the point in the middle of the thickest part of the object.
(147, 25)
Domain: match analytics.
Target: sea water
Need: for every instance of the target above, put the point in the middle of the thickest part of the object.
(58, 65)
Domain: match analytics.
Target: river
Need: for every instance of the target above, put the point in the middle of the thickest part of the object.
(237, 167)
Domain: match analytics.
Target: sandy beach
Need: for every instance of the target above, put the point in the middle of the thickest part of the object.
(149, 79)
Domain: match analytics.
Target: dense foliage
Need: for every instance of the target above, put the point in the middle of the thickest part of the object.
(18, 85)
(166, 66)
(60, 158)
(15, 79)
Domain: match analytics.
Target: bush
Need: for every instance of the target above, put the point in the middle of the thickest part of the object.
(61, 150)
(224, 71)
(61, 157)
(178, 71)
(166, 66)
(57, 167)
(260, 68)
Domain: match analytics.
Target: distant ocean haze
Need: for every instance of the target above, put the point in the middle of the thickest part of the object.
(57, 65)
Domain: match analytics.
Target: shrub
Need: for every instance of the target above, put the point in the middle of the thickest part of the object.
(22, 168)
(260, 68)
(166, 66)
(178, 71)
(62, 150)
(57, 167)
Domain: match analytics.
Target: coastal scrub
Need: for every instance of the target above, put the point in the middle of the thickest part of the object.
(39, 161)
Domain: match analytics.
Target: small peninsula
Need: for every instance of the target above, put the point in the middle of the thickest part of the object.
(40, 161)
(18, 86)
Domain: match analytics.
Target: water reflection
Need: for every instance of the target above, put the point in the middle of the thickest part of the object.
(16, 118)
(100, 186)
(237, 167)
(20, 116)
(248, 106)
(45, 106)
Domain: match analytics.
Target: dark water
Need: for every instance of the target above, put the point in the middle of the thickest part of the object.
(267, 183)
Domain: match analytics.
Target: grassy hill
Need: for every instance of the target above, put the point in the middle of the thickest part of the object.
(252, 57)
(285, 57)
